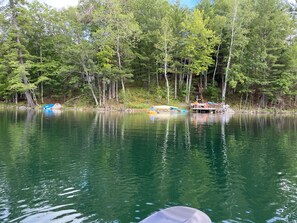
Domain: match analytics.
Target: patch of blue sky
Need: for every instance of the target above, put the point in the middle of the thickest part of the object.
(188, 3)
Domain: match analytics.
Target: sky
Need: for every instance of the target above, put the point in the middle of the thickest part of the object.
(189, 3)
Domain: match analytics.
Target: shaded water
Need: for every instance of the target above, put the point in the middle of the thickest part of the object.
(95, 167)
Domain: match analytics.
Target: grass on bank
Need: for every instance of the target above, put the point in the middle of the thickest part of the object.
(134, 98)
(141, 98)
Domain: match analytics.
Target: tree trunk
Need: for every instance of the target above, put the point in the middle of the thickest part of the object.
(120, 63)
(99, 90)
(189, 88)
(113, 90)
(157, 76)
(93, 94)
(166, 56)
(230, 51)
(167, 83)
(89, 83)
(187, 85)
(123, 85)
(181, 75)
(205, 80)
(103, 91)
(34, 96)
(240, 104)
(246, 99)
(41, 84)
(41, 92)
(20, 53)
(109, 91)
(16, 98)
(175, 85)
(165, 72)
(216, 65)
(263, 101)
(26, 82)
(181, 82)
(117, 90)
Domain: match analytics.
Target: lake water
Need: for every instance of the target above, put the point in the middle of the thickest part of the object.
(116, 167)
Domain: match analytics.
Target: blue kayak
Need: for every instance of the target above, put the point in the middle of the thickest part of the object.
(48, 106)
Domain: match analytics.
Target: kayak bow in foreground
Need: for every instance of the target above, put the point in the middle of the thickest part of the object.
(178, 214)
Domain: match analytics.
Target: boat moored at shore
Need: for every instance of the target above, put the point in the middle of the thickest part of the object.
(56, 106)
(166, 109)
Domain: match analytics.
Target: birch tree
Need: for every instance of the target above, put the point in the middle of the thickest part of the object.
(165, 45)
(234, 17)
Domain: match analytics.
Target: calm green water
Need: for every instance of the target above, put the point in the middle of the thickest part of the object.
(88, 167)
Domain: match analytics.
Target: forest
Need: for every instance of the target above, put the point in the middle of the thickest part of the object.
(106, 51)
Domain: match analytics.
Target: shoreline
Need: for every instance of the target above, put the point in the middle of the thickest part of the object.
(235, 110)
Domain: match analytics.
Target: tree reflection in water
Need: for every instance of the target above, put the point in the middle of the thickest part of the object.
(122, 167)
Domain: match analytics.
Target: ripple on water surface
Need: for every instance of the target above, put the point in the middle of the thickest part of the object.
(98, 168)
(57, 214)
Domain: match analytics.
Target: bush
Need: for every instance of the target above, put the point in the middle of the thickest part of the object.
(213, 93)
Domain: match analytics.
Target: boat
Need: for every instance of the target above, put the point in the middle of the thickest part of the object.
(52, 106)
(48, 106)
(178, 214)
(166, 108)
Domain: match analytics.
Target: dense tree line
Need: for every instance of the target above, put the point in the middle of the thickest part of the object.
(101, 48)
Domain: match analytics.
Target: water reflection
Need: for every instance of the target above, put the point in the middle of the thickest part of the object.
(116, 167)
(58, 214)
(51, 112)
(208, 119)
(167, 116)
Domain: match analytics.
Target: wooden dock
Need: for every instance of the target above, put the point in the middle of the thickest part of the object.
(204, 110)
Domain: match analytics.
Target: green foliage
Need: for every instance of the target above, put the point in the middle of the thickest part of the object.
(199, 42)
(16, 80)
(213, 93)
(100, 46)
